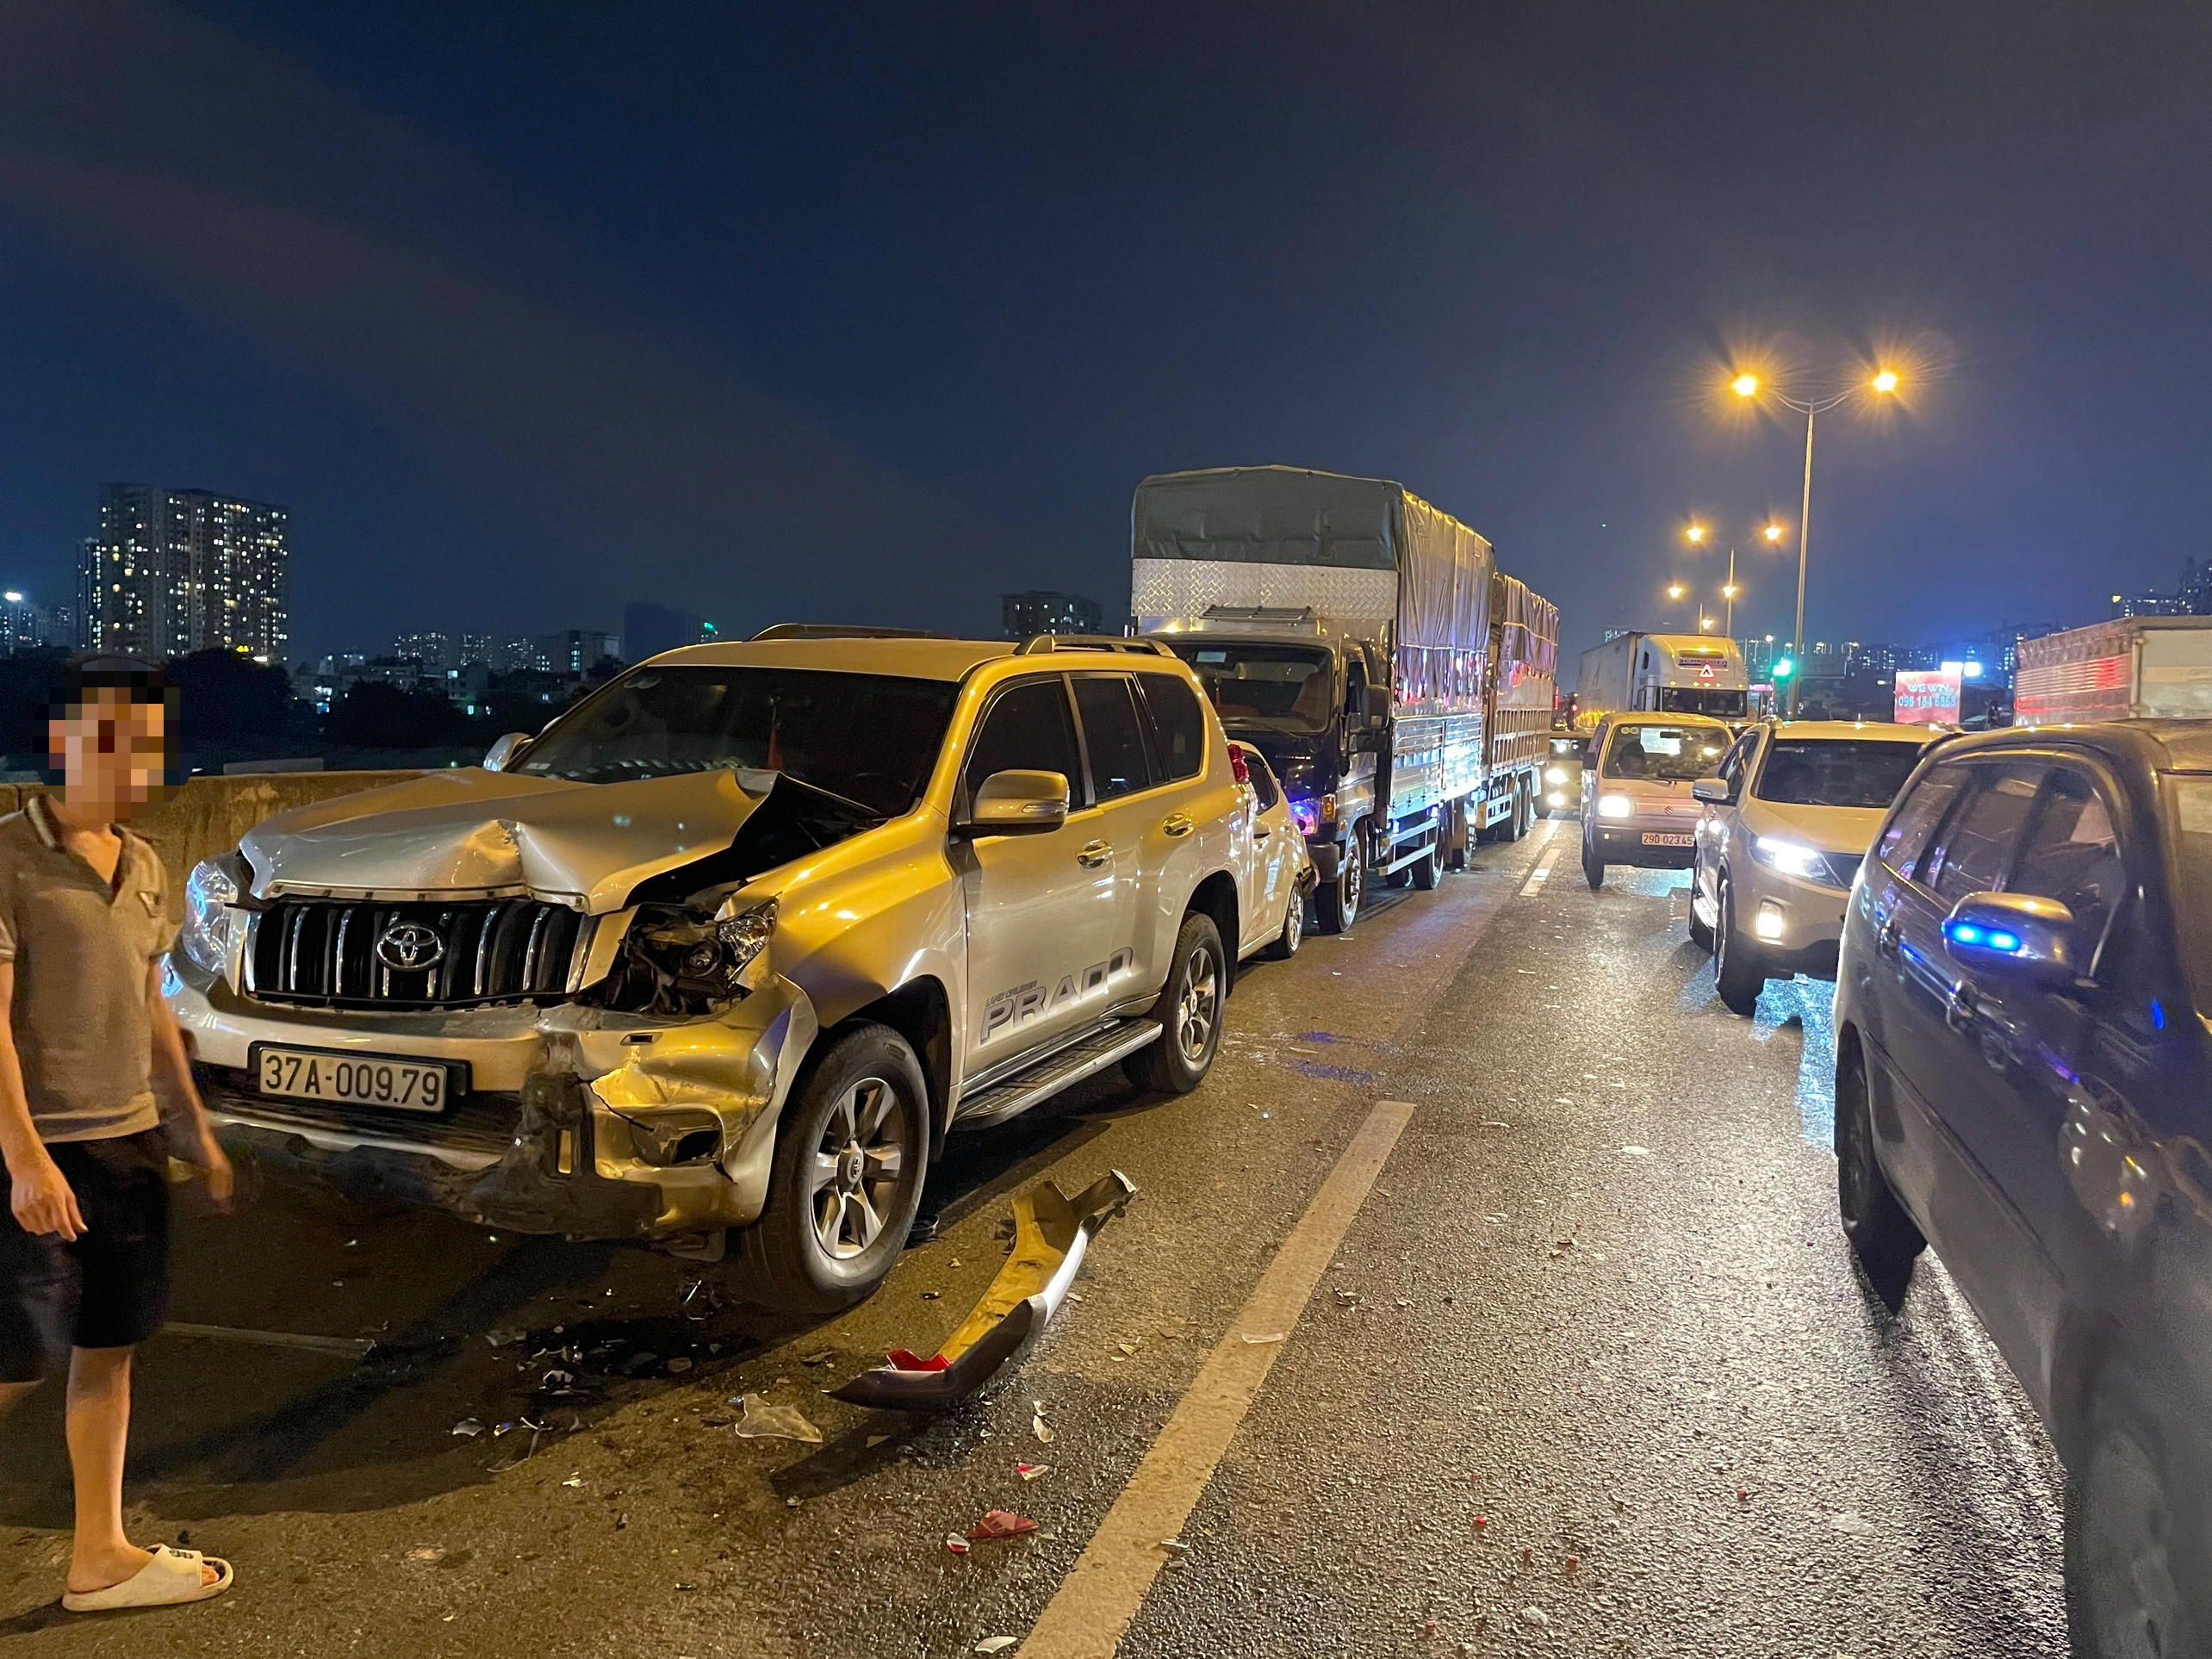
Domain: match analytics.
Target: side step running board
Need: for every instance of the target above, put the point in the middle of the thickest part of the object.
(1054, 1073)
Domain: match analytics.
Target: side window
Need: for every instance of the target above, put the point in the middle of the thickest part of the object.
(1733, 764)
(1904, 841)
(1111, 736)
(1979, 843)
(1026, 728)
(1178, 725)
(2072, 854)
(1263, 779)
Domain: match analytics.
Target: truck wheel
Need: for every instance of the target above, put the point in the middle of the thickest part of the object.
(1285, 944)
(1517, 820)
(1336, 903)
(1738, 974)
(1882, 1235)
(1189, 1011)
(1423, 870)
(1456, 834)
(847, 1180)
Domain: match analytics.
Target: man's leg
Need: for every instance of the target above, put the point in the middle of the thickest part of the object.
(12, 1392)
(99, 1428)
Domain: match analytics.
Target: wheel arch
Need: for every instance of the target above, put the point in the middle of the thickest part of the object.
(921, 1011)
(1216, 896)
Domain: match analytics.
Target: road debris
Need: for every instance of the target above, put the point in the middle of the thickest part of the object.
(762, 1420)
(822, 1357)
(1175, 1546)
(1536, 1616)
(505, 1336)
(469, 1428)
(1040, 1428)
(1260, 1339)
(957, 1545)
(1000, 1524)
(995, 1644)
(1636, 1152)
(678, 1365)
(1854, 1523)
(1032, 1471)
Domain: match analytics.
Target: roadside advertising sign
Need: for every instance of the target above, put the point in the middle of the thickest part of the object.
(1927, 697)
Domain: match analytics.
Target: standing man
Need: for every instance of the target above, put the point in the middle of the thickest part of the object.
(95, 1089)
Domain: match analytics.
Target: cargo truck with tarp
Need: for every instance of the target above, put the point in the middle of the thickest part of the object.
(2133, 668)
(1364, 642)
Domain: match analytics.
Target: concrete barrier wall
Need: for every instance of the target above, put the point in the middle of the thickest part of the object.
(209, 815)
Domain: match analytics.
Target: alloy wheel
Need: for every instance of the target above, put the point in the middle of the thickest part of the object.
(1198, 1008)
(856, 1168)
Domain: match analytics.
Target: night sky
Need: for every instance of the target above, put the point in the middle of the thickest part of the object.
(868, 313)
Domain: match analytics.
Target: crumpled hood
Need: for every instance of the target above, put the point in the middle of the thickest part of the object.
(470, 832)
(1830, 829)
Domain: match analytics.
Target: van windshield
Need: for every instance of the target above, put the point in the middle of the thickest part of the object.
(1264, 688)
(872, 738)
(1670, 754)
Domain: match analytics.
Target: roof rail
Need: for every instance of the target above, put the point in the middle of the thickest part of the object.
(839, 630)
(1041, 644)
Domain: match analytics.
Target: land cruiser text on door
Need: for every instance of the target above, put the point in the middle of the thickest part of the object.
(735, 942)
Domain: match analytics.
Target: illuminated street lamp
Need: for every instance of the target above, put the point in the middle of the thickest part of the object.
(1884, 384)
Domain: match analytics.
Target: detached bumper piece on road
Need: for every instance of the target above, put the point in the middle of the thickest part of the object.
(1051, 1235)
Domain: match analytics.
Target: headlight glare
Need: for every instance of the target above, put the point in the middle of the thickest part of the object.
(1789, 857)
(1615, 806)
(1555, 774)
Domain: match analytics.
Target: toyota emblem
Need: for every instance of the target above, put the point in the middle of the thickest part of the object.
(409, 946)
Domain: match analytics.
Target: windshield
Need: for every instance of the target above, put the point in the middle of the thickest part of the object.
(2189, 807)
(1272, 687)
(872, 738)
(1835, 771)
(1687, 700)
(1671, 754)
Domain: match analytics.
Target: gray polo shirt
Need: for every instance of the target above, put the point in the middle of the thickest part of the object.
(81, 950)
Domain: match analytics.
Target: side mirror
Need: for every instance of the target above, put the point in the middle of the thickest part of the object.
(2033, 939)
(1375, 706)
(1016, 803)
(1713, 792)
(502, 754)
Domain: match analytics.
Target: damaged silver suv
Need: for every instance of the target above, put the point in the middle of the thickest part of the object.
(727, 949)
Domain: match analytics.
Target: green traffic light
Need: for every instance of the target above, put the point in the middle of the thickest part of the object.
(1784, 667)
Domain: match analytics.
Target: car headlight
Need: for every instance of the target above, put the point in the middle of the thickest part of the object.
(675, 962)
(1789, 857)
(1555, 774)
(1615, 806)
(210, 893)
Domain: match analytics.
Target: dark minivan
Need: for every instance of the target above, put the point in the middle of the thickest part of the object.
(2021, 1080)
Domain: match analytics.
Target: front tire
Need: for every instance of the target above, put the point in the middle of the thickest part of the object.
(1594, 868)
(846, 1179)
(1738, 974)
(1337, 902)
(1882, 1234)
(1700, 935)
(1189, 1011)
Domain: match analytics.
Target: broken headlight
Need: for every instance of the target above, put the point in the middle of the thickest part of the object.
(675, 962)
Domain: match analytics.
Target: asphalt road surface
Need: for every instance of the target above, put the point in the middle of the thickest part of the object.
(1487, 1299)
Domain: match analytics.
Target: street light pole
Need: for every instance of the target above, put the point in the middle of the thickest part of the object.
(1748, 386)
(1729, 593)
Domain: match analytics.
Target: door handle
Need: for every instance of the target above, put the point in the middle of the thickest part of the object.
(1958, 1007)
(1094, 853)
(1261, 832)
(1178, 823)
(1886, 936)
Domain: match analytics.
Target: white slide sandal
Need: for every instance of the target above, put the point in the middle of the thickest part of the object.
(170, 1580)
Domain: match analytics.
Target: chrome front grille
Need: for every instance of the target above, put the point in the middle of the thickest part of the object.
(361, 954)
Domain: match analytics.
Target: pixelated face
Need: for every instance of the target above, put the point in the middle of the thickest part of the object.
(111, 748)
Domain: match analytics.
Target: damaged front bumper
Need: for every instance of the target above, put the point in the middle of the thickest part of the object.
(577, 1120)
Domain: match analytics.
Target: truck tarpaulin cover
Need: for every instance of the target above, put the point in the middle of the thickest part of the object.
(1221, 536)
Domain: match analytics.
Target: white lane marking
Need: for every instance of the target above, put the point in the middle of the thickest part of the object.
(1092, 1608)
(1542, 873)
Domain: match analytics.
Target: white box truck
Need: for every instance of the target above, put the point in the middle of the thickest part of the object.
(1365, 643)
(1666, 674)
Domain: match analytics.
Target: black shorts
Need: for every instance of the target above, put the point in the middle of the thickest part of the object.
(108, 1289)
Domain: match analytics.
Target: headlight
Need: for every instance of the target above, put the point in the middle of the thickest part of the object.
(1555, 774)
(676, 963)
(1615, 806)
(209, 891)
(1789, 857)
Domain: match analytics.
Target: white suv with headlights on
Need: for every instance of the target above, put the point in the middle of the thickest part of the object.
(727, 948)
(1785, 820)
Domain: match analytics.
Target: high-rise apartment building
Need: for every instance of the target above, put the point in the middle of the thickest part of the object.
(172, 571)
(1041, 611)
(431, 647)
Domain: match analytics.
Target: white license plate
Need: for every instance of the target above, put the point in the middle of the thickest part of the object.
(1658, 838)
(398, 1085)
